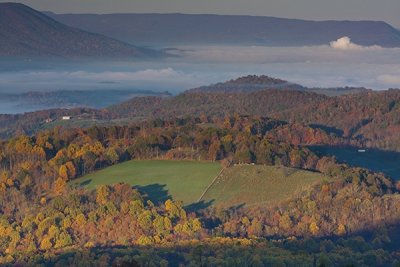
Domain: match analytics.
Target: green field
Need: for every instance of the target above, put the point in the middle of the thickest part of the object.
(256, 185)
(159, 179)
(247, 185)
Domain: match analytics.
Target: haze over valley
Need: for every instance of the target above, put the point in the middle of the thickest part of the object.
(332, 61)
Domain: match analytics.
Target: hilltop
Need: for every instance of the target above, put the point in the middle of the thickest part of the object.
(249, 83)
(26, 32)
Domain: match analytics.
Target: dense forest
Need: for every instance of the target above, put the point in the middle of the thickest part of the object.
(350, 218)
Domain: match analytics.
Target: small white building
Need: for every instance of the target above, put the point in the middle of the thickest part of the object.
(66, 118)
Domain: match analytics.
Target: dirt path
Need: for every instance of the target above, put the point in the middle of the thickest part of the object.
(211, 184)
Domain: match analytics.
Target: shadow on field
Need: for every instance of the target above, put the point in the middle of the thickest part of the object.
(86, 182)
(199, 205)
(155, 192)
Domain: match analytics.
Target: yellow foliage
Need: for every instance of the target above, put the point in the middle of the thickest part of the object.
(145, 240)
(39, 151)
(325, 188)
(102, 193)
(67, 223)
(3, 187)
(196, 225)
(26, 165)
(71, 169)
(59, 186)
(89, 244)
(80, 219)
(43, 201)
(10, 182)
(53, 231)
(341, 230)
(46, 244)
(4, 176)
(167, 223)
(245, 242)
(314, 229)
(245, 221)
(63, 172)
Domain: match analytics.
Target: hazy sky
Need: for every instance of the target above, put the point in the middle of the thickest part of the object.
(386, 10)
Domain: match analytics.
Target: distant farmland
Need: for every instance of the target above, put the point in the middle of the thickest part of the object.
(186, 180)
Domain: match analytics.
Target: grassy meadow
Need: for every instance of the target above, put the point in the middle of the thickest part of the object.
(247, 185)
(251, 185)
(159, 179)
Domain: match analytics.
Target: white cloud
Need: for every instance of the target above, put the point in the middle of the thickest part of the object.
(345, 43)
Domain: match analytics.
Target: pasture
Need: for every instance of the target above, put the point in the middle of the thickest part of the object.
(241, 185)
(159, 179)
(250, 185)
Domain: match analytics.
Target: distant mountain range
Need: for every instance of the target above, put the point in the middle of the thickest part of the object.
(156, 29)
(27, 32)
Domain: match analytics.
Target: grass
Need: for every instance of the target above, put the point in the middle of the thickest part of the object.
(248, 185)
(159, 179)
(257, 185)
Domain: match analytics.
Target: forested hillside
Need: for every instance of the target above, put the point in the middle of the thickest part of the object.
(374, 116)
(43, 215)
(262, 103)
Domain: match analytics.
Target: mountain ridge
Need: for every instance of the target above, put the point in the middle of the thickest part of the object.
(173, 28)
(28, 32)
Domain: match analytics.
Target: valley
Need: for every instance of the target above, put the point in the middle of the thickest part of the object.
(169, 139)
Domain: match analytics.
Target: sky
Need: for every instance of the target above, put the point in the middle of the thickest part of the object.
(385, 10)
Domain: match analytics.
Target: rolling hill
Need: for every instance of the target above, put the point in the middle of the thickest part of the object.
(26, 32)
(155, 29)
(253, 83)
(264, 103)
(248, 83)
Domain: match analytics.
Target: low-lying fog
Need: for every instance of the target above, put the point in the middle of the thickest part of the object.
(341, 63)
